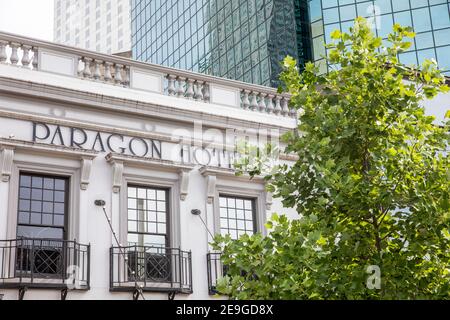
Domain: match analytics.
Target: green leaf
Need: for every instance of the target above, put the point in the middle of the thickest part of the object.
(447, 114)
(392, 152)
(336, 34)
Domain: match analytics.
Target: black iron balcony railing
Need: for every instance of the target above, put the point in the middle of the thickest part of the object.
(216, 270)
(44, 263)
(153, 269)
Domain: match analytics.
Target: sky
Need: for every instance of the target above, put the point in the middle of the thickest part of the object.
(31, 18)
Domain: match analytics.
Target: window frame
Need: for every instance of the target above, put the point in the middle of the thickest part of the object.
(67, 169)
(67, 193)
(241, 189)
(149, 178)
(167, 191)
(239, 197)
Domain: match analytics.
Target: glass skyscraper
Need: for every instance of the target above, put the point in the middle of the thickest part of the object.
(429, 18)
(247, 39)
(238, 39)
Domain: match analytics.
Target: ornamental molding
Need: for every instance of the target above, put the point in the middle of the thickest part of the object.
(126, 106)
(184, 184)
(6, 162)
(86, 166)
(211, 188)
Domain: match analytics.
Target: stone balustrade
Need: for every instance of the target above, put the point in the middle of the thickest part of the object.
(118, 71)
(271, 103)
(18, 54)
(104, 70)
(189, 88)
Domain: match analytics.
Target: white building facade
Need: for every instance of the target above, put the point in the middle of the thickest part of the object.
(98, 25)
(88, 139)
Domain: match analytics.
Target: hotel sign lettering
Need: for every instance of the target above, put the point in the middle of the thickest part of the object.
(78, 138)
(97, 141)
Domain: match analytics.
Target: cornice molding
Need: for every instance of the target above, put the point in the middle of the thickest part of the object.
(119, 105)
(148, 162)
(8, 147)
(48, 149)
(228, 173)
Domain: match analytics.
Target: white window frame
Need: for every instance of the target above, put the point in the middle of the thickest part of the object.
(147, 178)
(254, 191)
(68, 169)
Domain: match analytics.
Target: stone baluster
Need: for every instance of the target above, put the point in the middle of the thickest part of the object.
(97, 73)
(198, 90)
(245, 100)
(14, 53)
(262, 102)
(190, 88)
(278, 109)
(171, 85)
(126, 76)
(285, 107)
(107, 73)
(118, 74)
(180, 89)
(3, 55)
(26, 56)
(205, 92)
(35, 61)
(270, 107)
(87, 67)
(254, 101)
(80, 67)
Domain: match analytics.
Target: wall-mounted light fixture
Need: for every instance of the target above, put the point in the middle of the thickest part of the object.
(198, 213)
(100, 203)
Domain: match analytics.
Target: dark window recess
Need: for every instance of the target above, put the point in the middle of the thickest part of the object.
(42, 208)
(41, 215)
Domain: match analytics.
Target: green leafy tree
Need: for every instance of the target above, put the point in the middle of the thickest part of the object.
(371, 184)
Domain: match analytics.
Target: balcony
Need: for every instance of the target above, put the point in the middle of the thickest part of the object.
(216, 270)
(152, 269)
(44, 264)
(199, 92)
